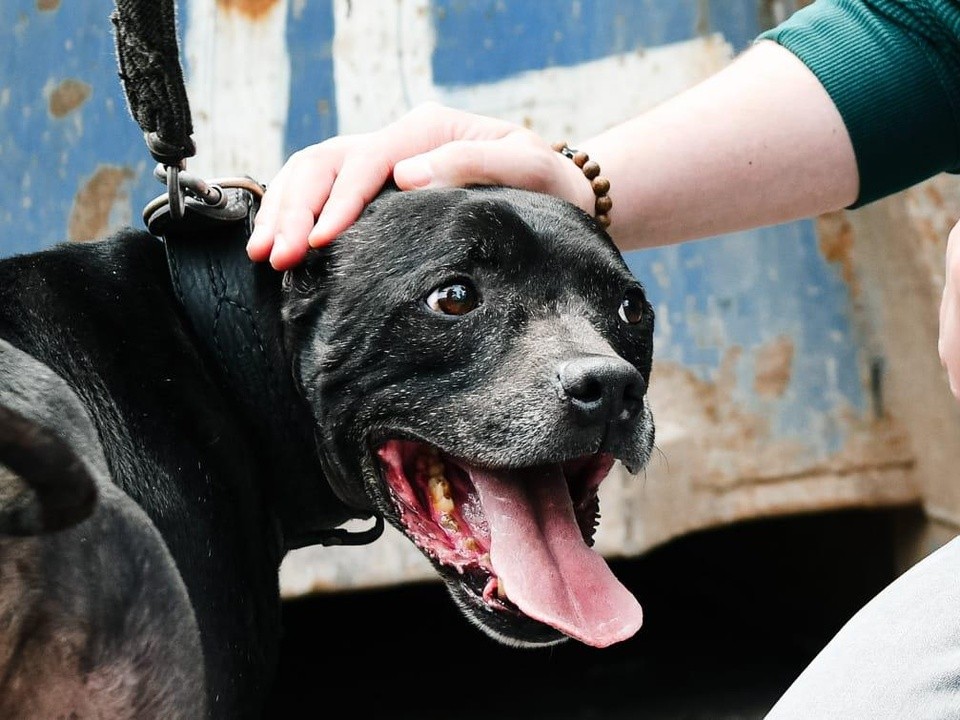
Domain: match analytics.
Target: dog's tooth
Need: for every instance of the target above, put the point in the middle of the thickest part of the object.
(439, 490)
(470, 545)
(501, 589)
(449, 523)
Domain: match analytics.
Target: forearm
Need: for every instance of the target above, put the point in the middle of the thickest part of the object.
(861, 101)
(759, 143)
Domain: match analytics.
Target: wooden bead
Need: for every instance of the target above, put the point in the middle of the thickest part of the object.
(591, 169)
(601, 186)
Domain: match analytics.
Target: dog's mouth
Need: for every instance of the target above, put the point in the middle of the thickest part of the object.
(517, 539)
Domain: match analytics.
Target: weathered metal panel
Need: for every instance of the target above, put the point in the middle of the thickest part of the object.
(70, 157)
(764, 378)
(488, 40)
(769, 356)
(312, 114)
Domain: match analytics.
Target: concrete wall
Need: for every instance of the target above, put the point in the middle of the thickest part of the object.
(795, 365)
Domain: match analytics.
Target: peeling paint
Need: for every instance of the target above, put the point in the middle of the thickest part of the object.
(772, 367)
(239, 115)
(90, 214)
(932, 211)
(933, 194)
(718, 443)
(716, 464)
(67, 96)
(836, 245)
(253, 9)
(758, 389)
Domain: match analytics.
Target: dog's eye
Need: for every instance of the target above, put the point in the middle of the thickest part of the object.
(632, 306)
(455, 299)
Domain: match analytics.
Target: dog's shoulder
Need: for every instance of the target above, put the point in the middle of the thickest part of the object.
(86, 295)
(70, 280)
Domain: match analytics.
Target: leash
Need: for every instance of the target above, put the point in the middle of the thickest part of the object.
(231, 303)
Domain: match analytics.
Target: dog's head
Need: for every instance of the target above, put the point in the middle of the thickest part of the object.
(476, 360)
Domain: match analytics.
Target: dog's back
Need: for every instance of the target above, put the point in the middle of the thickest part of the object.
(96, 361)
(94, 618)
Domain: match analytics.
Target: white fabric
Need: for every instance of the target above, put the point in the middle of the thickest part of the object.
(897, 659)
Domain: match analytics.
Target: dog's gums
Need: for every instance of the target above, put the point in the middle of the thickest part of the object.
(491, 527)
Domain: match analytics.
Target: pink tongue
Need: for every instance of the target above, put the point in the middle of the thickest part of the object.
(548, 571)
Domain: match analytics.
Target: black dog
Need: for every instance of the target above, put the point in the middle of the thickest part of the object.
(467, 364)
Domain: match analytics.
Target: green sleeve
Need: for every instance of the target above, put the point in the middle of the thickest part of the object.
(892, 69)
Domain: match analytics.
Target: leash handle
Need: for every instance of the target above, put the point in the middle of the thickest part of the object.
(148, 56)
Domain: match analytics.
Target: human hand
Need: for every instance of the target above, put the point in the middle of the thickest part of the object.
(323, 188)
(949, 343)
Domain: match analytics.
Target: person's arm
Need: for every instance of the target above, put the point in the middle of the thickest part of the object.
(856, 101)
(758, 143)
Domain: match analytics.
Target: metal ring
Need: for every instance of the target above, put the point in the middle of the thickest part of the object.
(175, 193)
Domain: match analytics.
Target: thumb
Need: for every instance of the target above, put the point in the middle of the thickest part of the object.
(477, 162)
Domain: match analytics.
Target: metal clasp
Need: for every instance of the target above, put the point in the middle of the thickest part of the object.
(180, 183)
(339, 536)
(186, 191)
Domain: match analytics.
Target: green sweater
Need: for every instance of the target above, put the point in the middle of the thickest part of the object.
(893, 71)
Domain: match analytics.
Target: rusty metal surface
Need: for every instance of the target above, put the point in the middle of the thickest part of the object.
(781, 384)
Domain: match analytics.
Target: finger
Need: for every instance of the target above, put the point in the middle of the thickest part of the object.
(469, 162)
(260, 242)
(333, 181)
(519, 160)
(949, 342)
(292, 201)
(287, 254)
(305, 193)
(364, 173)
(359, 181)
(290, 240)
(452, 124)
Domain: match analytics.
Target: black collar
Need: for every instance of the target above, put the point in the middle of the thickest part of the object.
(233, 306)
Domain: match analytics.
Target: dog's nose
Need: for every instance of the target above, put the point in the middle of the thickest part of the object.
(601, 388)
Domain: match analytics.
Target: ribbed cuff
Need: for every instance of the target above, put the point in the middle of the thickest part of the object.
(885, 84)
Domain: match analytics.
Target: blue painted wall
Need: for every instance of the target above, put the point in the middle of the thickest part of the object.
(486, 40)
(313, 107)
(44, 159)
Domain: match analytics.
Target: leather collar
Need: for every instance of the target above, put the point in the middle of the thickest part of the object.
(233, 307)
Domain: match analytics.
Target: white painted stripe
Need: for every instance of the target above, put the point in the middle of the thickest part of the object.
(381, 61)
(238, 82)
(579, 101)
(382, 68)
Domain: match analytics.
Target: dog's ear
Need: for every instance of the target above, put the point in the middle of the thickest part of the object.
(305, 286)
(44, 484)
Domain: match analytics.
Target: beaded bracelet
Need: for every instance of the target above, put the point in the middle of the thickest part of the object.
(600, 185)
